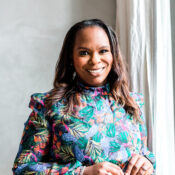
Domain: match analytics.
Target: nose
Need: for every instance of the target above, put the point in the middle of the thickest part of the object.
(94, 59)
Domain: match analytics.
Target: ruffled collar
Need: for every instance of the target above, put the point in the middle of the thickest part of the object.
(95, 91)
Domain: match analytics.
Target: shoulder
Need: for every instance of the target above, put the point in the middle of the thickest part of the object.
(37, 101)
(138, 98)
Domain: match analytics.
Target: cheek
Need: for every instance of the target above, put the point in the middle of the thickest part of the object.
(110, 61)
(79, 63)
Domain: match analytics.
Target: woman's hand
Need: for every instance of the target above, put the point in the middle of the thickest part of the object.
(139, 165)
(104, 168)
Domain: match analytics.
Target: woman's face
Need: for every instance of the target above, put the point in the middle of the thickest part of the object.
(92, 56)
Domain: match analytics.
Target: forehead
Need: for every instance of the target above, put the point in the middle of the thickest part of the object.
(91, 34)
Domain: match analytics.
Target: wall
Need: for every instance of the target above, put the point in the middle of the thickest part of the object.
(31, 35)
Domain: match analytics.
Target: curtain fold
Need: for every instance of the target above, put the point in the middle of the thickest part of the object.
(134, 25)
(164, 94)
(144, 31)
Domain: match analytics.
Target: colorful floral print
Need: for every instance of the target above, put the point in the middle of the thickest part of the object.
(98, 130)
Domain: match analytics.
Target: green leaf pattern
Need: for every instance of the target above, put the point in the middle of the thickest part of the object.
(61, 143)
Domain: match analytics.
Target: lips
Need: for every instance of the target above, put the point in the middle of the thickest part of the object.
(96, 71)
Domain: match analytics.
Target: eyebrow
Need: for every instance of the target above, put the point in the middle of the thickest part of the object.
(85, 48)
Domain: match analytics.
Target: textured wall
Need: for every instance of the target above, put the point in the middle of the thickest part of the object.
(31, 34)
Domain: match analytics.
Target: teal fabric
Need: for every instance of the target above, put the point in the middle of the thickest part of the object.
(98, 130)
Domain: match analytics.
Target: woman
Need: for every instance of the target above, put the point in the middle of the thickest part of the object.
(89, 123)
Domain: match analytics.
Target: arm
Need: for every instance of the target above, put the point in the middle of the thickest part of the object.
(33, 154)
(144, 162)
(143, 131)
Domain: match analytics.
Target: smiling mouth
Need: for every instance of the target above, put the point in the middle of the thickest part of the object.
(96, 70)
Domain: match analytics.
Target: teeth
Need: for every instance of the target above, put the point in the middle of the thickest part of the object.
(95, 71)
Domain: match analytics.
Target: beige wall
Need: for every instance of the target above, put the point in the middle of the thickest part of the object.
(31, 34)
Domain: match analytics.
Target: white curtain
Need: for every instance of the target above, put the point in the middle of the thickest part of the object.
(164, 95)
(144, 32)
(135, 28)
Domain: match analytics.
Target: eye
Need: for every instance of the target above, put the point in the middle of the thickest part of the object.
(83, 52)
(104, 51)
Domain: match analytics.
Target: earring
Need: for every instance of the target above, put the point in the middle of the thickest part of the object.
(74, 75)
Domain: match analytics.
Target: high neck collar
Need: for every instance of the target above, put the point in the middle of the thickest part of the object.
(95, 91)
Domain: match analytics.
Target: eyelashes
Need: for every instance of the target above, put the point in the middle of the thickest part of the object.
(104, 51)
(84, 52)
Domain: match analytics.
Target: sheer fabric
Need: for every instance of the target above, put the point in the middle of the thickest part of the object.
(144, 31)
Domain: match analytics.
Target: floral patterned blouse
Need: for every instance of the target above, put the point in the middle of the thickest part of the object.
(99, 130)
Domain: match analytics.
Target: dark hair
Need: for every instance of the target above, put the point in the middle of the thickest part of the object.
(65, 82)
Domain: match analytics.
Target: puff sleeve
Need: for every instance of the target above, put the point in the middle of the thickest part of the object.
(34, 149)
